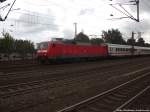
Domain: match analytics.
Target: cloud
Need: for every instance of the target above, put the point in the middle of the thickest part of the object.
(142, 26)
(86, 11)
(31, 25)
(57, 17)
(69, 34)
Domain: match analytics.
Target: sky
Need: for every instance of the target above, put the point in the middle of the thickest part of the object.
(41, 20)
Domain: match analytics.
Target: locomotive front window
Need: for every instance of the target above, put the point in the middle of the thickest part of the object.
(43, 45)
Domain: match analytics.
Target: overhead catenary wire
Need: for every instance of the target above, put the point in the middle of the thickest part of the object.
(125, 12)
(33, 18)
(34, 14)
(46, 4)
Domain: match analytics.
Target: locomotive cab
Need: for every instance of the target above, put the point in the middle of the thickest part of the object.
(42, 51)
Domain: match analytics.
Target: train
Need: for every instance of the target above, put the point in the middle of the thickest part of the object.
(50, 51)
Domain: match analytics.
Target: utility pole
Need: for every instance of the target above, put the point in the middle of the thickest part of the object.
(138, 17)
(132, 49)
(75, 24)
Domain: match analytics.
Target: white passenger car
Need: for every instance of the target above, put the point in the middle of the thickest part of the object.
(126, 50)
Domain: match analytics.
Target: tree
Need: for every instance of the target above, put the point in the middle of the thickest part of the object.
(81, 37)
(24, 46)
(8, 45)
(113, 36)
(131, 41)
(7, 42)
(1, 47)
(147, 45)
(140, 42)
(97, 40)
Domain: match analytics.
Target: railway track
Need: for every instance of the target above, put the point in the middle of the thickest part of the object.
(62, 74)
(21, 89)
(14, 69)
(18, 97)
(133, 104)
(11, 68)
(12, 78)
(14, 89)
(113, 100)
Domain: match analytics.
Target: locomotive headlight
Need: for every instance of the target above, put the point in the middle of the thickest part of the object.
(44, 51)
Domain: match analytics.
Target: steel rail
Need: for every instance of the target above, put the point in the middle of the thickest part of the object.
(73, 107)
(130, 100)
(37, 83)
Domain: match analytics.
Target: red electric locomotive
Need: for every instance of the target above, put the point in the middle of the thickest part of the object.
(56, 50)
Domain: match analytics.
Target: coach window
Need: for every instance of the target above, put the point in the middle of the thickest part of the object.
(117, 49)
(110, 49)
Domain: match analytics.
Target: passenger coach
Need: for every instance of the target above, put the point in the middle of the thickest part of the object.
(127, 50)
